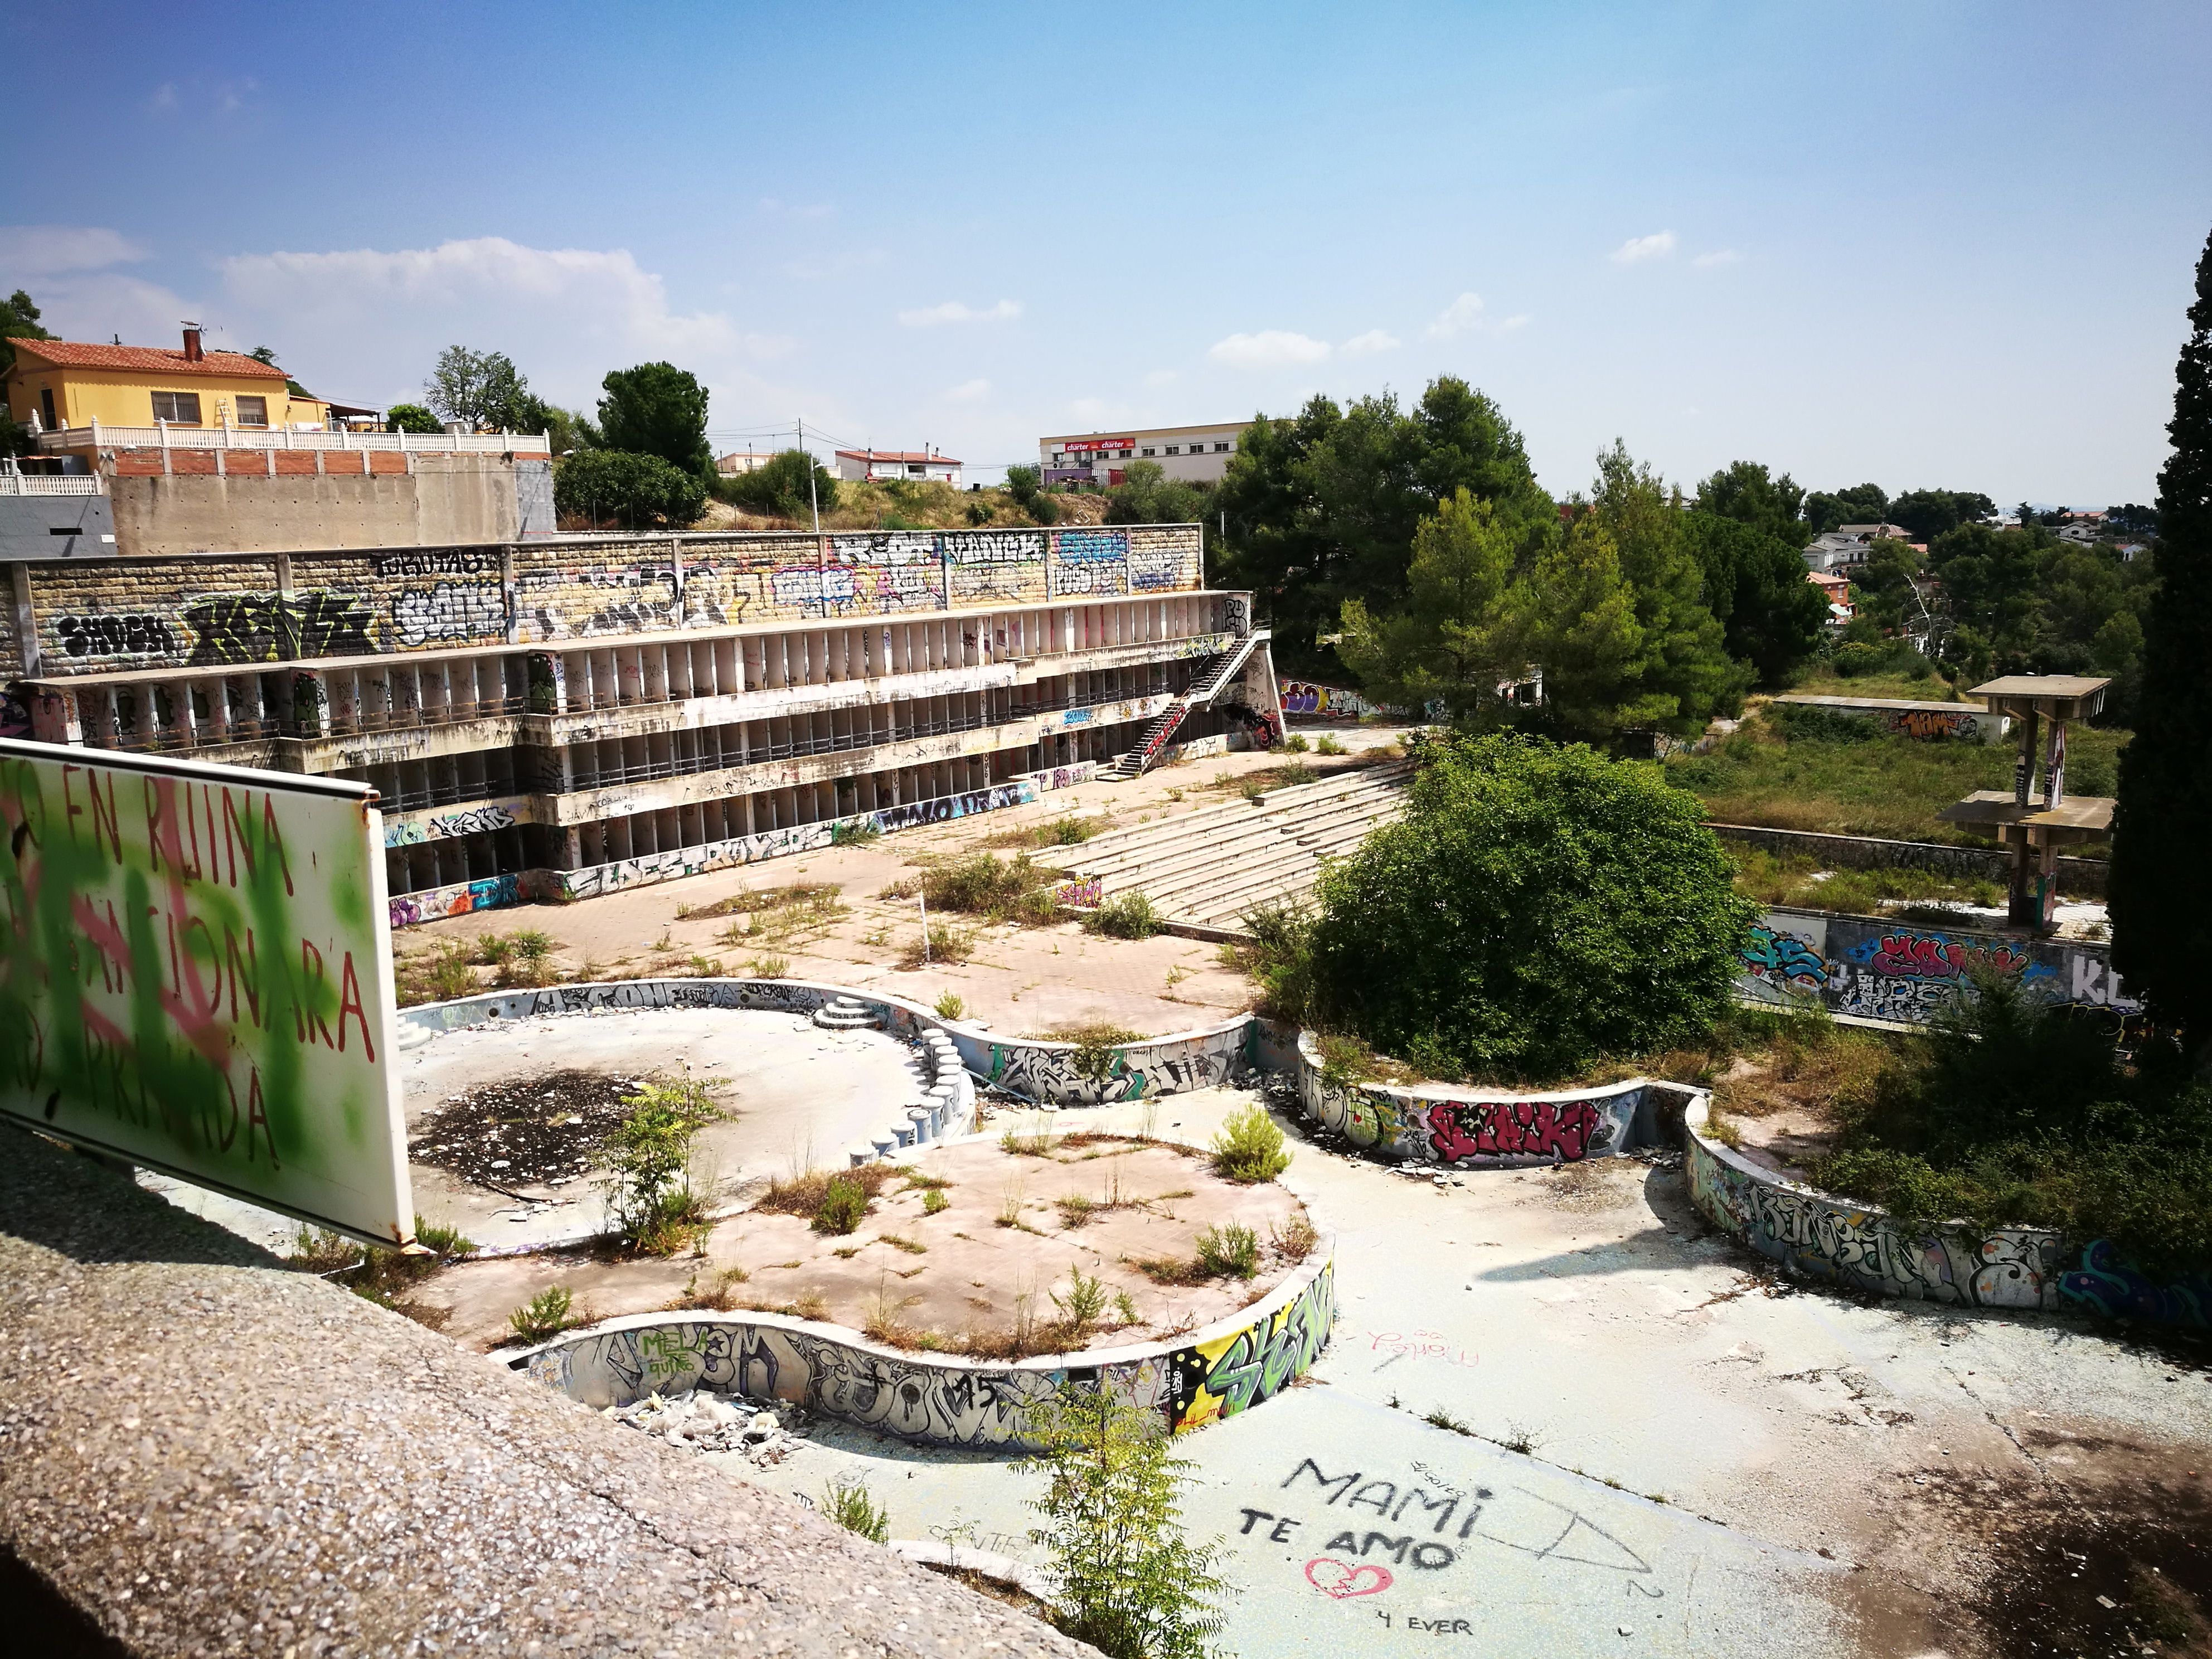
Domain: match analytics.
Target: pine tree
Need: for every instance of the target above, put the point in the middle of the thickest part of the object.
(2161, 877)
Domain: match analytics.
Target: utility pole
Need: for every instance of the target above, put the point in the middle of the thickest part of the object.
(812, 500)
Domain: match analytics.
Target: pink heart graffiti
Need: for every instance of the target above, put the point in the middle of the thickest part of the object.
(1341, 1578)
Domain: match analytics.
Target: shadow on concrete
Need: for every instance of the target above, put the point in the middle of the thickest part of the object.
(76, 1207)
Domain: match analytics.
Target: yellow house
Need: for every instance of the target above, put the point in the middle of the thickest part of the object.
(70, 383)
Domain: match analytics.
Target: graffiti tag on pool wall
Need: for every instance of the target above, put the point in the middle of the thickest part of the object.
(1874, 968)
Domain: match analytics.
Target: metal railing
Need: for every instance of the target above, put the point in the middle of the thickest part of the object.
(410, 720)
(99, 435)
(443, 794)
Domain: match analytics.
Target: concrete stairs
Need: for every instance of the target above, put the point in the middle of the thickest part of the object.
(1203, 869)
(1205, 684)
(846, 1014)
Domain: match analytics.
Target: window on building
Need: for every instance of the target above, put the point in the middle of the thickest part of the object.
(1221, 449)
(180, 408)
(46, 407)
(1147, 452)
(1127, 454)
(916, 469)
(1172, 450)
(253, 411)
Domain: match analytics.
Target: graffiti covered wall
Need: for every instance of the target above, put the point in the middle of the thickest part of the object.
(1961, 722)
(1304, 699)
(1836, 1239)
(196, 977)
(235, 610)
(1436, 1123)
(1225, 1368)
(1065, 1075)
(1872, 969)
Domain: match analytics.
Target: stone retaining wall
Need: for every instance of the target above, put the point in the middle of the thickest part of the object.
(1053, 1074)
(1846, 1243)
(1228, 1367)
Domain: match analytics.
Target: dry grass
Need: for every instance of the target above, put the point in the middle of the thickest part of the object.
(802, 1195)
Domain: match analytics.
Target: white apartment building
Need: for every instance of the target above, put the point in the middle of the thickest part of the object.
(890, 466)
(1199, 454)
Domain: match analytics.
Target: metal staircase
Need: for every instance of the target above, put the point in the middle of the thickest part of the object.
(1215, 672)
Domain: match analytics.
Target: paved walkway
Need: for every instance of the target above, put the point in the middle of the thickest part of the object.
(1671, 1451)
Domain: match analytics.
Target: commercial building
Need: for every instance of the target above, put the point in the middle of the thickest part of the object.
(1199, 453)
(739, 461)
(56, 383)
(897, 466)
(568, 717)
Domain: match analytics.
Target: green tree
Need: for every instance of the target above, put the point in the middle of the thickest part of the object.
(2162, 882)
(566, 429)
(1147, 495)
(480, 389)
(1929, 513)
(1747, 492)
(614, 489)
(1685, 657)
(1025, 484)
(1321, 508)
(1535, 908)
(657, 408)
(1124, 1577)
(410, 417)
(19, 320)
(780, 487)
(1578, 617)
(1460, 630)
(1755, 580)
(1827, 510)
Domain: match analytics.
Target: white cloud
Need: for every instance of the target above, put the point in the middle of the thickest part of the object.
(1162, 377)
(1367, 345)
(1726, 256)
(1636, 249)
(49, 250)
(968, 392)
(1271, 348)
(953, 311)
(1457, 318)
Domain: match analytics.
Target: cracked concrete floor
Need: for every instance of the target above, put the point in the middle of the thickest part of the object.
(1681, 1453)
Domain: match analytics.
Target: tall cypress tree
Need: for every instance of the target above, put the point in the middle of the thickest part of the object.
(2161, 891)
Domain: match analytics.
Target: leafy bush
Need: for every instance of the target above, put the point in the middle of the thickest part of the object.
(1855, 658)
(1249, 1147)
(1125, 1578)
(1126, 916)
(1098, 1047)
(2010, 1111)
(1083, 1304)
(1296, 744)
(847, 1502)
(544, 1316)
(1536, 907)
(780, 487)
(950, 1005)
(933, 1201)
(844, 1201)
(1327, 745)
(1805, 722)
(649, 1181)
(410, 417)
(616, 489)
(1229, 1250)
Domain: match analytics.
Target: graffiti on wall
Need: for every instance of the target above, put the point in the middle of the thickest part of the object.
(1080, 892)
(946, 1403)
(133, 634)
(1401, 1125)
(1561, 1130)
(1834, 1239)
(443, 826)
(1874, 968)
(1304, 697)
(1094, 561)
(236, 628)
(1065, 1075)
(462, 899)
(885, 571)
(450, 613)
(193, 976)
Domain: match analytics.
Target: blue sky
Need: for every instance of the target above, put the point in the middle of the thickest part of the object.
(1926, 244)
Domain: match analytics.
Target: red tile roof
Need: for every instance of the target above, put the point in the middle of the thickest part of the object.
(148, 360)
(899, 455)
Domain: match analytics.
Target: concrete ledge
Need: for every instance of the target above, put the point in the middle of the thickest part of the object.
(1450, 1124)
(1000, 1569)
(1821, 1235)
(202, 1453)
(942, 1399)
(2084, 877)
(1045, 1072)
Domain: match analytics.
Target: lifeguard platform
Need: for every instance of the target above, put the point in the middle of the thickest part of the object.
(2035, 829)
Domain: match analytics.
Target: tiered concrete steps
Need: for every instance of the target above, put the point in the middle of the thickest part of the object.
(845, 1014)
(1203, 869)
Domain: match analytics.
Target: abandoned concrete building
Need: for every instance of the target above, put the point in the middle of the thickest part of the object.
(568, 716)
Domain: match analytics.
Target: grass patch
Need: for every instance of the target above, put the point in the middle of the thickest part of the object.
(843, 1203)
(950, 1005)
(379, 1275)
(803, 1195)
(1126, 916)
(947, 944)
(1875, 786)
(933, 1202)
(899, 1242)
(545, 1316)
(719, 1294)
(1250, 1148)
(1064, 831)
(1790, 880)
(846, 1502)
(1229, 1249)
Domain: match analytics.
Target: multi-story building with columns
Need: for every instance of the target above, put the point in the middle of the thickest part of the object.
(568, 717)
